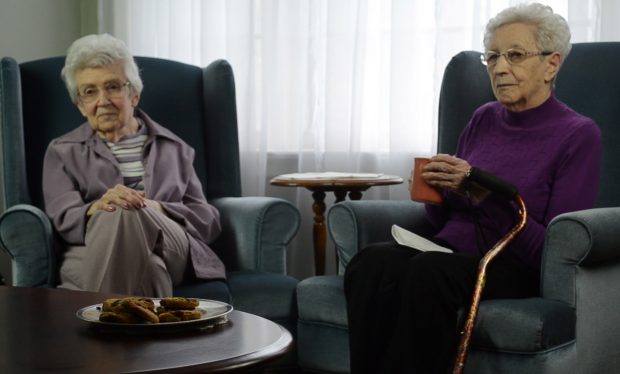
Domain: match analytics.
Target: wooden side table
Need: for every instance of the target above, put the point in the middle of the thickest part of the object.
(341, 184)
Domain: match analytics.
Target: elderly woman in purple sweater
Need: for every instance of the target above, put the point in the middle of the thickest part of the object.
(527, 137)
(120, 189)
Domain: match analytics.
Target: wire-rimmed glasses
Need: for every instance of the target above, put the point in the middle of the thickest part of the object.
(112, 90)
(513, 56)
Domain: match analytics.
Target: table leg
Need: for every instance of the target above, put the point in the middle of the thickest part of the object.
(355, 195)
(340, 195)
(320, 231)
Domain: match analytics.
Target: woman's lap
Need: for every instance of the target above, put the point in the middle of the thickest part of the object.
(421, 292)
(128, 251)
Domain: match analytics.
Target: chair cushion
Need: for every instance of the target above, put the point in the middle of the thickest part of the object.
(510, 325)
(322, 327)
(268, 295)
(321, 299)
(523, 325)
(322, 348)
(213, 290)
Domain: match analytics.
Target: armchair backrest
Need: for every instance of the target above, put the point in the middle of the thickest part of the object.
(197, 104)
(587, 82)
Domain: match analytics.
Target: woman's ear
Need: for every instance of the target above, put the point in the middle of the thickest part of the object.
(81, 108)
(553, 66)
(135, 99)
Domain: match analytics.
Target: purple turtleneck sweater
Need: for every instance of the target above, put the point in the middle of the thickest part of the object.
(551, 153)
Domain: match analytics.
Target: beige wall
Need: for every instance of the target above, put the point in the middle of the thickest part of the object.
(33, 29)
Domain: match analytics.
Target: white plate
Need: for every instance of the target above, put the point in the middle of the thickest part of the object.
(213, 313)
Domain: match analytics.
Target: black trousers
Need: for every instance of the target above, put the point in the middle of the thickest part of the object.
(402, 304)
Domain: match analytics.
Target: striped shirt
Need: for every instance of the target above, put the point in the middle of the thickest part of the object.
(128, 153)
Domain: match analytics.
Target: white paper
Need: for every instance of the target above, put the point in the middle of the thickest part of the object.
(329, 175)
(409, 239)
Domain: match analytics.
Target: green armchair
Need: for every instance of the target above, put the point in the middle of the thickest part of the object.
(574, 326)
(198, 104)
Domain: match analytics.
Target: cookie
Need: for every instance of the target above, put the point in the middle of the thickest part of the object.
(168, 317)
(144, 302)
(140, 309)
(112, 305)
(176, 303)
(180, 315)
(119, 317)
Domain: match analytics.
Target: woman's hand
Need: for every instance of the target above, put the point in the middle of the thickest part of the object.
(450, 173)
(446, 172)
(118, 196)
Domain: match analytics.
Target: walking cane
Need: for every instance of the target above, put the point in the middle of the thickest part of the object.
(508, 190)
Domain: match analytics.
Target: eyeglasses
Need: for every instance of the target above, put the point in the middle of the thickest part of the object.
(113, 90)
(514, 56)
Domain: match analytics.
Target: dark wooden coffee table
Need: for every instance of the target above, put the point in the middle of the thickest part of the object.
(39, 332)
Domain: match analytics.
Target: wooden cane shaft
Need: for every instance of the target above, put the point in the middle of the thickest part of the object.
(463, 348)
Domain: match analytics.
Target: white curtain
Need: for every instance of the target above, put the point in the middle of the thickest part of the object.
(329, 85)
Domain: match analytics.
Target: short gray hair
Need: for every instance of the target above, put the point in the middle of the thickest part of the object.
(97, 50)
(553, 33)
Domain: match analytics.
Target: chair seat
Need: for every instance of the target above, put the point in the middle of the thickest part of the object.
(321, 299)
(212, 290)
(507, 325)
(323, 337)
(523, 325)
(268, 295)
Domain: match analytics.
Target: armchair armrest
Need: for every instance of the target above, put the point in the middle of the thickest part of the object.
(578, 245)
(355, 224)
(26, 235)
(255, 232)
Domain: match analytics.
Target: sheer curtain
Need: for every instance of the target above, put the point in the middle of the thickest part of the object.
(346, 85)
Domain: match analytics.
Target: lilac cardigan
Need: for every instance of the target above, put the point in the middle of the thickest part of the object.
(79, 168)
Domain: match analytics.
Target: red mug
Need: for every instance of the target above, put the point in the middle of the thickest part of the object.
(420, 190)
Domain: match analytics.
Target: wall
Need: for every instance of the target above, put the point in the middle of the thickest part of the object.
(33, 29)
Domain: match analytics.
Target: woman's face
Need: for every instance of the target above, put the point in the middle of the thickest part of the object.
(527, 84)
(107, 100)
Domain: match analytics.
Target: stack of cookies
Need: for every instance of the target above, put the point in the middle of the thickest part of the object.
(176, 309)
(143, 310)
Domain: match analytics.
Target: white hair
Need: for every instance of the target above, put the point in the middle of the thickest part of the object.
(97, 50)
(552, 31)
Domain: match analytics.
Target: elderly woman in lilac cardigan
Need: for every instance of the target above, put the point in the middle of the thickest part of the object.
(120, 189)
